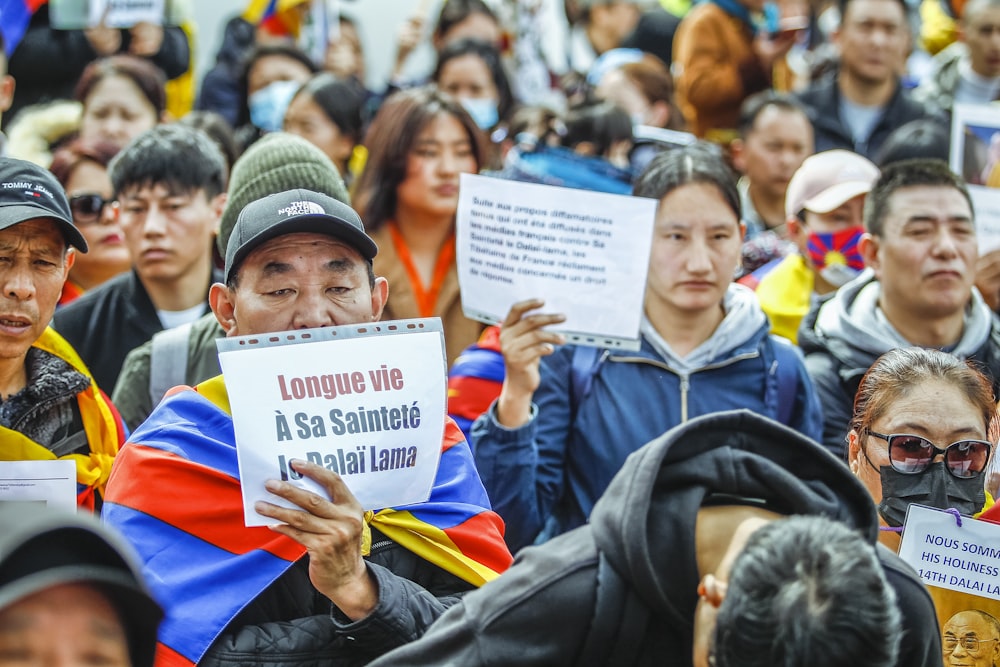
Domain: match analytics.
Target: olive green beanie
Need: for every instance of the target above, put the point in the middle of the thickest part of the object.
(277, 162)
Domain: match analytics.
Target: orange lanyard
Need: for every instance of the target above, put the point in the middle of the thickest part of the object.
(425, 298)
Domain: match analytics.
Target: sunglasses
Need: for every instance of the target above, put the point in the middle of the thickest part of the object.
(911, 455)
(88, 208)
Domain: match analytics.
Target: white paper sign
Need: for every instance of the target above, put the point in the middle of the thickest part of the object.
(586, 253)
(975, 154)
(125, 13)
(962, 558)
(51, 483)
(365, 401)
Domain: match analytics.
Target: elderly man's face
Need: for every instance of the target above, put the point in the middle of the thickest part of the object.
(33, 267)
(969, 640)
(72, 625)
(299, 281)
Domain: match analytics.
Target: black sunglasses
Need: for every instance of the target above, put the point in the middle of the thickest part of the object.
(911, 455)
(88, 208)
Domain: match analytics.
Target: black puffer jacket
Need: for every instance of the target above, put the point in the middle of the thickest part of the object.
(291, 625)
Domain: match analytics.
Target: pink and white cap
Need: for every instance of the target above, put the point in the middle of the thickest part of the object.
(827, 180)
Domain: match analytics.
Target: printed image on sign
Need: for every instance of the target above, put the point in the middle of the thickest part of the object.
(365, 401)
(585, 253)
(975, 155)
(960, 565)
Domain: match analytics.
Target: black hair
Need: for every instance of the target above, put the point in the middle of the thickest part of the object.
(699, 162)
(754, 106)
(182, 158)
(218, 130)
(601, 123)
(921, 138)
(263, 51)
(807, 590)
(454, 12)
(342, 100)
(905, 174)
(491, 58)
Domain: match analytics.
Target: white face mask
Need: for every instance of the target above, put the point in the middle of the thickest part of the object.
(483, 111)
(268, 105)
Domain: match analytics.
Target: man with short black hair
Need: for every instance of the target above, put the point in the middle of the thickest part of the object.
(859, 104)
(776, 135)
(804, 579)
(920, 246)
(170, 185)
(50, 406)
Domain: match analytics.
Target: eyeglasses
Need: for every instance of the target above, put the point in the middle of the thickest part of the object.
(87, 209)
(970, 644)
(911, 455)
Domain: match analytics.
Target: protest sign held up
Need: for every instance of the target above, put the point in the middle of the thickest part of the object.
(365, 401)
(586, 253)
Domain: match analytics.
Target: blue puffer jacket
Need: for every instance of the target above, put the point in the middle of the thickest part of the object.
(549, 472)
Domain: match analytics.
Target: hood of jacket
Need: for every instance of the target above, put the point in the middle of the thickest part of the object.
(739, 333)
(645, 521)
(850, 326)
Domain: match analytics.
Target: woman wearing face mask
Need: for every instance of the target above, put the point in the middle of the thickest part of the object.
(470, 71)
(274, 72)
(922, 432)
(419, 143)
(568, 416)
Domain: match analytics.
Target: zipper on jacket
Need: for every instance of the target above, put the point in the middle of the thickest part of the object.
(381, 544)
(685, 384)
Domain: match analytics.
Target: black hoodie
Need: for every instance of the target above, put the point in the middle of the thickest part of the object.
(540, 611)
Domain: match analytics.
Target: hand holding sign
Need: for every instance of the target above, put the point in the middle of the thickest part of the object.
(147, 38)
(331, 532)
(524, 341)
(104, 39)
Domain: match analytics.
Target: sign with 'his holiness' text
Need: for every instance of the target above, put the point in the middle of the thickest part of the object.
(366, 401)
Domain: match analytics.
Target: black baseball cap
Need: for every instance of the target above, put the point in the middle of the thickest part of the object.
(41, 548)
(28, 192)
(290, 212)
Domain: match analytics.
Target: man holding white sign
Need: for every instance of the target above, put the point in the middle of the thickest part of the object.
(372, 581)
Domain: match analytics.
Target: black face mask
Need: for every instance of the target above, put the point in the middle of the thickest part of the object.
(935, 487)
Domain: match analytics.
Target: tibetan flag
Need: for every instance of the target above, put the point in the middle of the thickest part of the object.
(475, 380)
(15, 15)
(274, 16)
(175, 495)
(837, 248)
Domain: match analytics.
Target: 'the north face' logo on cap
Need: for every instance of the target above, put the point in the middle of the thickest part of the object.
(302, 208)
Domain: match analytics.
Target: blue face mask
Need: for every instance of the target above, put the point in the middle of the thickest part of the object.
(483, 111)
(268, 105)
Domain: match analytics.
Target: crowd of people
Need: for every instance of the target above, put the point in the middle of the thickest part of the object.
(819, 338)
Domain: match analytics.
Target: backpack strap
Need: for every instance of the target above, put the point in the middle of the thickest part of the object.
(787, 360)
(619, 621)
(168, 360)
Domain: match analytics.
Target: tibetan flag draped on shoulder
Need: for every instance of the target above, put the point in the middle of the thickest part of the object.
(103, 429)
(15, 15)
(175, 495)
